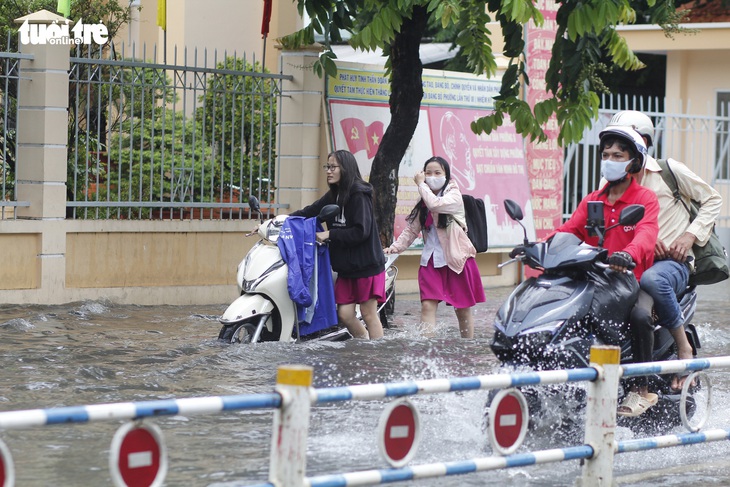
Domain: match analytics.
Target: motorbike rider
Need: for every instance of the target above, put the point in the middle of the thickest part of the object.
(623, 153)
(354, 244)
(669, 276)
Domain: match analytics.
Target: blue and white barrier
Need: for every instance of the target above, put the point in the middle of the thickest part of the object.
(294, 397)
(136, 410)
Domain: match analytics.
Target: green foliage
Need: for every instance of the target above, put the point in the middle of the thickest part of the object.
(160, 159)
(586, 51)
(237, 119)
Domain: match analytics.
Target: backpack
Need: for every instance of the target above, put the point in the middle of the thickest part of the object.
(476, 222)
(711, 259)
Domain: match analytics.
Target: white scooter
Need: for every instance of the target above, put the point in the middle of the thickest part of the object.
(264, 311)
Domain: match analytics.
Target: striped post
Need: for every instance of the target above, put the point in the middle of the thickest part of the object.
(288, 465)
(601, 416)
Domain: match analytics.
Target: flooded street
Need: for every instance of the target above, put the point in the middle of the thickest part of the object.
(91, 353)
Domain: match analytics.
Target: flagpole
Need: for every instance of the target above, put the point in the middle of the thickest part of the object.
(164, 37)
(162, 22)
(265, 30)
(263, 57)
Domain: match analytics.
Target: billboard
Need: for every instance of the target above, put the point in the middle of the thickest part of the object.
(491, 167)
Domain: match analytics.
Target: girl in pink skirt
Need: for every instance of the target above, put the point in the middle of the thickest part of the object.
(448, 269)
(356, 253)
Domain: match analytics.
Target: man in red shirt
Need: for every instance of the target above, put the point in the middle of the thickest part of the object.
(623, 152)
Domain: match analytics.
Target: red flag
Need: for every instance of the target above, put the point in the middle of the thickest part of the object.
(360, 137)
(267, 18)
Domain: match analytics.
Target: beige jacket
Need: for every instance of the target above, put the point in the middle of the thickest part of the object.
(673, 217)
(453, 239)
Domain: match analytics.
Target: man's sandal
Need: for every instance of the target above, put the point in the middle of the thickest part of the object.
(635, 404)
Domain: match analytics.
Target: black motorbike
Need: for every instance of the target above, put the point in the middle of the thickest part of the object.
(551, 321)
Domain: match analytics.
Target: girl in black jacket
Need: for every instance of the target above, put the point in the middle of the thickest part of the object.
(354, 244)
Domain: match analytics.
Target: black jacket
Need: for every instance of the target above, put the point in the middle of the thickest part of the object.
(355, 249)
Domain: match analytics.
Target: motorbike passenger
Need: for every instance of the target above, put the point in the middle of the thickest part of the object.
(623, 152)
(448, 270)
(669, 276)
(354, 245)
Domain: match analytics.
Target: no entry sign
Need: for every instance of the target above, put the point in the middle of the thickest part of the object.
(138, 457)
(398, 432)
(7, 471)
(507, 421)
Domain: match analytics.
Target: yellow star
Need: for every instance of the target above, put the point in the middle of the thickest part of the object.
(376, 139)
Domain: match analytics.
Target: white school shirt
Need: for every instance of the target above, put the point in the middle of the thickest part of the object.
(432, 247)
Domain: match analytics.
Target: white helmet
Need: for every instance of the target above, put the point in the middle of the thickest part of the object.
(633, 137)
(637, 120)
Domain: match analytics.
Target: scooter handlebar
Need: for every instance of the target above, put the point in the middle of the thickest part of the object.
(511, 261)
(604, 266)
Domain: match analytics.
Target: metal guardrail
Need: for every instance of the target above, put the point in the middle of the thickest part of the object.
(294, 397)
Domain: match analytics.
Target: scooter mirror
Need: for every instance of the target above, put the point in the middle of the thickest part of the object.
(328, 212)
(631, 215)
(513, 210)
(253, 203)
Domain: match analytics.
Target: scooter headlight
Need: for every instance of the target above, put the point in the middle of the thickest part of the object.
(272, 232)
(273, 228)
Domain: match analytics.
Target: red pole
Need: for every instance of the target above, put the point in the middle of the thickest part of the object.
(265, 29)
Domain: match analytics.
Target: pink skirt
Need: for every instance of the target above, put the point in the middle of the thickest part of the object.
(459, 290)
(360, 289)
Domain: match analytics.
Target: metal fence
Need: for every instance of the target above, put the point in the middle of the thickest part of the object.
(9, 76)
(192, 139)
(703, 142)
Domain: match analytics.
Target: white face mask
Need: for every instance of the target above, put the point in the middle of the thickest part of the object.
(435, 182)
(613, 170)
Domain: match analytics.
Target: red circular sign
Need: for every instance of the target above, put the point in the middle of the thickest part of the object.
(7, 471)
(399, 432)
(508, 421)
(138, 456)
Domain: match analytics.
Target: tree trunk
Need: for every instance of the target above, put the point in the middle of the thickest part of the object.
(406, 92)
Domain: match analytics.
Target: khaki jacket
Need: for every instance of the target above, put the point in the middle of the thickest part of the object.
(453, 239)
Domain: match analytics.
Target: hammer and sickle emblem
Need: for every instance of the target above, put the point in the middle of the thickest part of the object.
(354, 133)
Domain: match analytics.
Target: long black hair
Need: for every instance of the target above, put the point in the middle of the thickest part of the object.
(350, 179)
(420, 211)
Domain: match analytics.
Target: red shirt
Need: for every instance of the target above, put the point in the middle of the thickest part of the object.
(638, 240)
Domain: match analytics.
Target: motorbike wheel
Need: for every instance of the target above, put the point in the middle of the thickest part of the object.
(235, 334)
(388, 309)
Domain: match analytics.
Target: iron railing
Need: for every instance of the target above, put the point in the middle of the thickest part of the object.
(160, 141)
(9, 76)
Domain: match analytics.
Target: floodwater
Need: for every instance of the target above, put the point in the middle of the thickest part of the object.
(95, 352)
